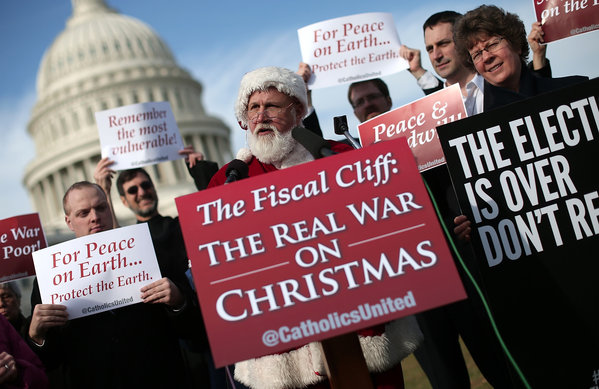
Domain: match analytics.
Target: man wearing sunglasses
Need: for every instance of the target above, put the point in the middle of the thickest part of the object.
(137, 192)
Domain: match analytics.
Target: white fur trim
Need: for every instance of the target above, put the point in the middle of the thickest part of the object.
(279, 371)
(284, 80)
(305, 366)
(244, 154)
(298, 155)
(381, 352)
(400, 339)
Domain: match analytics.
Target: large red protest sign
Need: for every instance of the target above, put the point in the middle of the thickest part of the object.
(562, 19)
(20, 236)
(417, 122)
(316, 250)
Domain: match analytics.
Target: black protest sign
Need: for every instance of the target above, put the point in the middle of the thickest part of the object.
(526, 177)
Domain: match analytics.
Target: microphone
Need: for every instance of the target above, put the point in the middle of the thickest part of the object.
(315, 144)
(341, 128)
(236, 170)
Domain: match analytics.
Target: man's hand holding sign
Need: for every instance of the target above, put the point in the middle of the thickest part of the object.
(103, 304)
(102, 269)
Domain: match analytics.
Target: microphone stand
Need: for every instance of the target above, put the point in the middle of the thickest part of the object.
(341, 128)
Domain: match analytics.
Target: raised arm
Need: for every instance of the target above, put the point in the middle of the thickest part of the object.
(192, 157)
(103, 177)
(539, 49)
(414, 60)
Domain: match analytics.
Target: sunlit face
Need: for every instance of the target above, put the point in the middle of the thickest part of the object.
(140, 197)
(438, 41)
(88, 211)
(502, 66)
(271, 117)
(10, 304)
(368, 101)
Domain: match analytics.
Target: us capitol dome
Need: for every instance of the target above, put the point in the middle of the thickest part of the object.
(104, 60)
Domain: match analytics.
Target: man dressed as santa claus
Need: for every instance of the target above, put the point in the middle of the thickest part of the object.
(270, 103)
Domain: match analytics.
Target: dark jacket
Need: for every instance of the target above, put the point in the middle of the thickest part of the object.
(136, 346)
(30, 369)
(202, 172)
(545, 71)
(530, 85)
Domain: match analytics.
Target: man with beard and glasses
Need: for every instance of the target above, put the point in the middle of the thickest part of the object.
(270, 103)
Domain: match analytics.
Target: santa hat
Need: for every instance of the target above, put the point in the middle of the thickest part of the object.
(284, 80)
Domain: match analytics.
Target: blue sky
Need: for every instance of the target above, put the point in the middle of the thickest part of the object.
(218, 43)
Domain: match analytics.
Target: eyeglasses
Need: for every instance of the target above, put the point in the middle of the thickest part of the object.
(6, 296)
(269, 112)
(366, 99)
(146, 185)
(490, 47)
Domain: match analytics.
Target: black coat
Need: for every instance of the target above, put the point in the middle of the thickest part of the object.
(530, 85)
(545, 71)
(136, 346)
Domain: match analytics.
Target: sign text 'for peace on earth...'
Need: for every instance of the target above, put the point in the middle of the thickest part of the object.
(351, 48)
(97, 272)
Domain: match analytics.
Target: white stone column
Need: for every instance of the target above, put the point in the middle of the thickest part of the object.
(59, 192)
(38, 201)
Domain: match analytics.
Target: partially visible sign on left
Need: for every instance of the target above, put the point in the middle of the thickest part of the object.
(20, 236)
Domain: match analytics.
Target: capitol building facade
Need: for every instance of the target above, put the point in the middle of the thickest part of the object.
(104, 60)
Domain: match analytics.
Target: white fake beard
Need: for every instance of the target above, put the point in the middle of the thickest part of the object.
(271, 148)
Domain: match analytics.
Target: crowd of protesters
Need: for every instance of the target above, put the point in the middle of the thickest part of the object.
(161, 342)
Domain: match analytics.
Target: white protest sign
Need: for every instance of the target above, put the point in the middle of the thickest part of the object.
(139, 134)
(351, 48)
(97, 272)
